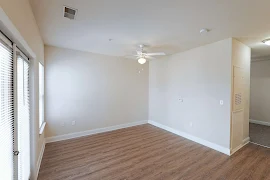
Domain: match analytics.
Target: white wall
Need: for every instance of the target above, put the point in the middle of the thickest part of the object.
(260, 91)
(20, 14)
(201, 77)
(94, 90)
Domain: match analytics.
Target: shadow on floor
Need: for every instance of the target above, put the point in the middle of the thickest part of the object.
(259, 134)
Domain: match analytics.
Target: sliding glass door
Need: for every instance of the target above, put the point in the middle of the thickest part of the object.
(23, 117)
(14, 112)
(7, 110)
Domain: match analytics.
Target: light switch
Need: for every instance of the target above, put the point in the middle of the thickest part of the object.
(221, 102)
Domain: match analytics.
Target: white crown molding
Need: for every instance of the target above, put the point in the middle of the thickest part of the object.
(192, 138)
(94, 131)
(259, 122)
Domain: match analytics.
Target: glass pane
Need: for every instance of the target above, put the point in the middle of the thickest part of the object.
(6, 112)
(23, 119)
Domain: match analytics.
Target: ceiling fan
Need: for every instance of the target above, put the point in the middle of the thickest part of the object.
(142, 55)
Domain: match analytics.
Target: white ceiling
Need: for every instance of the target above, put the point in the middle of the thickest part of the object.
(166, 25)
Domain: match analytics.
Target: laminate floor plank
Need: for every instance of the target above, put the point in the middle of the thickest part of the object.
(146, 152)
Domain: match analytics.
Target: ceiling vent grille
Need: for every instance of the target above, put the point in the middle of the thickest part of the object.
(70, 13)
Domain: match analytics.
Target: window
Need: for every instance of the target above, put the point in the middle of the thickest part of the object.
(41, 99)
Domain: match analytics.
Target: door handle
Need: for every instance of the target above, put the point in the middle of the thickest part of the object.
(16, 153)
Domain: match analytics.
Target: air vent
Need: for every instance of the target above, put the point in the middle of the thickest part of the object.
(70, 13)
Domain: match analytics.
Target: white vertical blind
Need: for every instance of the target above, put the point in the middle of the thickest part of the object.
(23, 118)
(41, 94)
(6, 112)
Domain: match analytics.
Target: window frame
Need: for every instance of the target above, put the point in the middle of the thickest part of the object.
(41, 98)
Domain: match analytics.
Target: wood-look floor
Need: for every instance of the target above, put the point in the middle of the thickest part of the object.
(146, 152)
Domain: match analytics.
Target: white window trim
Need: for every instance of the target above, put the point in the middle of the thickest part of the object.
(43, 124)
(42, 128)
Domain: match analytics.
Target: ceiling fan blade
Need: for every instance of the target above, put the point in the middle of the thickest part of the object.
(149, 57)
(156, 54)
(136, 56)
(131, 57)
(139, 52)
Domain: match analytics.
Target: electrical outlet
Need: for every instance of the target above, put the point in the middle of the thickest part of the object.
(181, 100)
(73, 123)
(191, 124)
(63, 124)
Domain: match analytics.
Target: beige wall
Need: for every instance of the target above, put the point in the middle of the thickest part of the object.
(260, 91)
(96, 91)
(201, 77)
(20, 14)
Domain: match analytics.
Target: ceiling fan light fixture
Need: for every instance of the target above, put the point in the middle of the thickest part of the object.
(142, 60)
(267, 42)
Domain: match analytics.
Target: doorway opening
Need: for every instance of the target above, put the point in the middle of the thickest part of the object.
(259, 126)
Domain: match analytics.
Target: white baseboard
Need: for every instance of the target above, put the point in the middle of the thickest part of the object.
(245, 142)
(94, 131)
(259, 122)
(40, 159)
(192, 138)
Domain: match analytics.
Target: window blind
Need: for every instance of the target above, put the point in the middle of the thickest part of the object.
(7, 111)
(23, 117)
